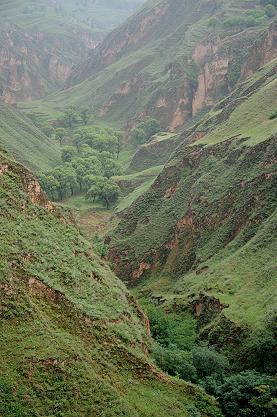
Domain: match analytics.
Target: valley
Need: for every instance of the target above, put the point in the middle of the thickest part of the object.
(138, 208)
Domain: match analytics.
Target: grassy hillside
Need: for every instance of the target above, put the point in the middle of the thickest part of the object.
(25, 141)
(172, 60)
(201, 238)
(74, 342)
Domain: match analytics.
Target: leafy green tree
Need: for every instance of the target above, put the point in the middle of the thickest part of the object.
(248, 394)
(270, 10)
(86, 166)
(145, 130)
(151, 127)
(70, 116)
(109, 193)
(137, 136)
(48, 130)
(171, 329)
(209, 362)
(60, 135)
(261, 351)
(49, 184)
(175, 362)
(112, 168)
(77, 141)
(68, 153)
(84, 114)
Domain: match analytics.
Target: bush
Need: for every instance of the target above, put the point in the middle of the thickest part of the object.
(145, 130)
(208, 362)
(175, 362)
(273, 116)
(171, 329)
(247, 394)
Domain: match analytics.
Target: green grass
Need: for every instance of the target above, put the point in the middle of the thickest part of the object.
(71, 335)
(250, 119)
(25, 141)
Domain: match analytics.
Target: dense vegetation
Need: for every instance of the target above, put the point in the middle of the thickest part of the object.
(240, 393)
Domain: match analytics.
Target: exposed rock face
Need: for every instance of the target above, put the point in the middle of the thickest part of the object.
(193, 74)
(34, 63)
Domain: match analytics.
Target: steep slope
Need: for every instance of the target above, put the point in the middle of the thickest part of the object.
(202, 236)
(41, 41)
(73, 340)
(172, 60)
(25, 141)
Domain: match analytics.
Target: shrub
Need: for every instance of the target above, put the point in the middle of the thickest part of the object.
(175, 362)
(247, 394)
(208, 362)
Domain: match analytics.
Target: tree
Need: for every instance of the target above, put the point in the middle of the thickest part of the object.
(151, 127)
(137, 136)
(247, 394)
(109, 193)
(171, 329)
(84, 114)
(70, 116)
(48, 130)
(112, 168)
(68, 152)
(145, 130)
(270, 10)
(60, 134)
(77, 141)
(175, 362)
(92, 193)
(209, 362)
(49, 184)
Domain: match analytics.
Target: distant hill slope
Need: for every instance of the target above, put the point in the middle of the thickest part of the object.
(172, 60)
(41, 41)
(73, 340)
(202, 237)
(25, 141)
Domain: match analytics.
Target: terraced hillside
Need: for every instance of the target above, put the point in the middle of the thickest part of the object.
(202, 237)
(41, 41)
(25, 141)
(73, 340)
(172, 60)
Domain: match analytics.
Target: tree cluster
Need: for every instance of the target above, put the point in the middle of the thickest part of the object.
(87, 167)
(245, 393)
(144, 131)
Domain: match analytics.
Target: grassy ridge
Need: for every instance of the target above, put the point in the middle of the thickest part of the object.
(73, 339)
(25, 141)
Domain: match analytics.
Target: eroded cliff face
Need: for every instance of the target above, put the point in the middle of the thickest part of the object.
(34, 63)
(218, 66)
(167, 62)
(198, 227)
